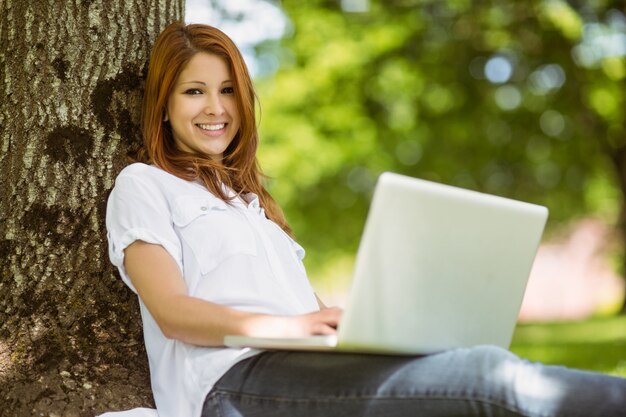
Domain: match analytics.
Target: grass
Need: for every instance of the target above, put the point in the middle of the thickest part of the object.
(597, 344)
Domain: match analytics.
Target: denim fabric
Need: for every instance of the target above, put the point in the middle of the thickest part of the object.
(481, 381)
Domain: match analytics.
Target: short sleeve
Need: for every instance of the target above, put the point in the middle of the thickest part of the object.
(137, 209)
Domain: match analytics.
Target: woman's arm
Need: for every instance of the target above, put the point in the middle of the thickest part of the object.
(159, 283)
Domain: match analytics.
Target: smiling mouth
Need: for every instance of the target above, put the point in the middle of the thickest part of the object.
(211, 127)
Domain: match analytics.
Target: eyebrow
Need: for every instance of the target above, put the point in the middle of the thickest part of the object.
(203, 83)
(194, 82)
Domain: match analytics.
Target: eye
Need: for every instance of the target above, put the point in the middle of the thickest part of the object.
(228, 90)
(193, 91)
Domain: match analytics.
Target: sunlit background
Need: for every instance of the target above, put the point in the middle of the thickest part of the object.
(519, 99)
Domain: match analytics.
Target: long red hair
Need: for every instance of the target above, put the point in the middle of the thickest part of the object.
(239, 169)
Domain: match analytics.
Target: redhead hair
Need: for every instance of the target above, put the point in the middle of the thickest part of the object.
(239, 169)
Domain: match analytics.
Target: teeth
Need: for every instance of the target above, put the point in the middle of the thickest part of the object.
(211, 127)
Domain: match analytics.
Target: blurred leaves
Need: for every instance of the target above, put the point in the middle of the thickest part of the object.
(563, 17)
(519, 99)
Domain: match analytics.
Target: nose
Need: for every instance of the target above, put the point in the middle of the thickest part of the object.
(214, 105)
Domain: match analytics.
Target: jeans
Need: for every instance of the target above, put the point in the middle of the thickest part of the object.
(480, 381)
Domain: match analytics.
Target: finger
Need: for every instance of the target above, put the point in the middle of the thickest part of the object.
(332, 315)
(323, 329)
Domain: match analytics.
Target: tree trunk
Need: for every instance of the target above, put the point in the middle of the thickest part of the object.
(70, 75)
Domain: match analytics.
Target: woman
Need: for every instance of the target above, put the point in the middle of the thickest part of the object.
(195, 234)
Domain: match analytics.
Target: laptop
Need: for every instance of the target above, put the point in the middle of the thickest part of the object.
(438, 267)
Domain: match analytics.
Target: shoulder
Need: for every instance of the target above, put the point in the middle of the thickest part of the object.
(139, 184)
(142, 190)
(136, 177)
(148, 176)
(142, 171)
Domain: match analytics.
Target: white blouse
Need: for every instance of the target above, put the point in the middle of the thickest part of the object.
(229, 254)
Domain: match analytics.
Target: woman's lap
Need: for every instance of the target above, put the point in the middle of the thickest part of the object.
(483, 381)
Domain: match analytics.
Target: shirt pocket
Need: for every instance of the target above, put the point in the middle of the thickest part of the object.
(213, 230)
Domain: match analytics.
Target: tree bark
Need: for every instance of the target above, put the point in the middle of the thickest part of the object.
(71, 78)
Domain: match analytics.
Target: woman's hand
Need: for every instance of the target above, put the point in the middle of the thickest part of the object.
(323, 322)
(160, 284)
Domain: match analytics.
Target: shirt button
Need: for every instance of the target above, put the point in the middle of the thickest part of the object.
(204, 208)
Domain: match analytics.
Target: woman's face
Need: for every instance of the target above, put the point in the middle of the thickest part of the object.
(202, 108)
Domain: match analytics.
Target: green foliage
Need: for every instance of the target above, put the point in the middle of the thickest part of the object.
(500, 97)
